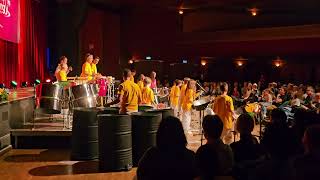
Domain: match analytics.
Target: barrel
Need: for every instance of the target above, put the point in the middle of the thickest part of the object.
(115, 142)
(144, 130)
(84, 137)
(165, 112)
(110, 110)
(144, 107)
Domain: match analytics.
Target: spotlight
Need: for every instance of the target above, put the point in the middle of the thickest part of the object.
(37, 81)
(24, 84)
(203, 62)
(48, 80)
(180, 12)
(13, 84)
(254, 11)
(130, 61)
(2, 85)
(239, 63)
(277, 64)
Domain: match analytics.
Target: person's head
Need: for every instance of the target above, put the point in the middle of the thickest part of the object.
(311, 139)
(96, 60)
(249, 86)
(153, 75)
(245, 124)
(186, 80)
(255, 86)
(133, 72)
(63, 60)
(310, 90)
(126, 74)
(170, 134)
(282, 91)
(191, 85)
(245, 84)
(178, 82)
(317, 98)
(141, 77)
(147, 82)
(224, 87)
(278, 117)
(89, 58)
(212, 127)
(64, 67)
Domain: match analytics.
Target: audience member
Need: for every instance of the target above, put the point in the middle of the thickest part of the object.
(214, 158)
(170, 159)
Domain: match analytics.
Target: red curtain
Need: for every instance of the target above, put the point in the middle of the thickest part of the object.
(26, 60)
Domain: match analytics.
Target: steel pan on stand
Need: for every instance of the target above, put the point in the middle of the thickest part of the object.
(50, 98)
(200, 105)
(82, 96)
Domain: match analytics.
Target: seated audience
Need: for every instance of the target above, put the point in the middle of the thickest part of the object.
(307, 166)
(214, 158)
(247, 148)
(170, 159)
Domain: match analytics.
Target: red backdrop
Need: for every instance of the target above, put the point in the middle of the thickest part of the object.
(26, 60)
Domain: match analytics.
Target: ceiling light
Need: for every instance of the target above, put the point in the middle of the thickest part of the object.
(254, 11)
(203, 62)
(180, 12)
(130, 61)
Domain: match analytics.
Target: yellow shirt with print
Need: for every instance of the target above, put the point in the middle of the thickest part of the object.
(141, 85)
(147, 96)
(182, 93)
(131, 96)
(86, 70)
(94, 68)
(223, 107)
(62, 75)
(131, 78)
(175, 95)
(188, 99)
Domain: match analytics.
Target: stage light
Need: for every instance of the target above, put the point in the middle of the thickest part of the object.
(13, 84)
(184, 61)
(203, 62)
(130, 61)
(2, 85)
(239, 63)
(181, 12)
(48, 80)
(254, 11)
(24, 84)
(277, 64)
(148, 58)
(37, 81)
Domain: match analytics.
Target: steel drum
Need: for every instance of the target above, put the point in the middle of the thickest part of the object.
(201, 104)
(83, 96)
(94, 88)
(50, 98)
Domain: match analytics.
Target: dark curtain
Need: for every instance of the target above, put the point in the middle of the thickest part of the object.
(26, 60)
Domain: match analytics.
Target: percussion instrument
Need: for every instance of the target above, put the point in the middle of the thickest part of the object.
(50, 98)
(94, 88)
(201, 103)
(83, 96)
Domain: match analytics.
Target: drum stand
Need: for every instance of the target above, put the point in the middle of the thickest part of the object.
(201, 115)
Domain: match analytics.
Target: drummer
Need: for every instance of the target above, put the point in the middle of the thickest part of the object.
(94, 67)
(133, 73)
(147, 93)
(86, 67)
(129, 95)
(174, 96)
(141, 81)
(63, 60)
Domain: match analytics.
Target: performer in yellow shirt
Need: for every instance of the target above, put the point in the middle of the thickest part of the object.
(133, 73)
(182, 93)
(129, 95)
(63, 73)
(141, 81)
(147, 93)
(189, 97)
(86, 67)
(174, 96)
(94, 66)
(223, 107)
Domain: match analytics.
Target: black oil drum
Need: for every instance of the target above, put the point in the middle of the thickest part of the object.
(142, 108)
(85, 134)
(110, 110)
(144, 130)
(165, 112)
(115, 142)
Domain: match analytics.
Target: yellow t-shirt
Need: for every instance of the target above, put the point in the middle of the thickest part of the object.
(182, 93)
(223, 107)
(147, 96)
(175, 95)
(131, 96)
(86, 70)
(62, 75)
(141, 85)
(188, 99)
(94, 68)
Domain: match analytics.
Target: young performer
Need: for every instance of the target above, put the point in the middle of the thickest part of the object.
(129, 94)
(63, 60)
(86, 67)
(183, 92)
(147, 93)
(189, 97)
(133, 73)
(94, 66)
(63, 73)
(140, 82)
(174, 96)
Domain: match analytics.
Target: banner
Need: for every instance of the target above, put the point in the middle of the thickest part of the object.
(9, 11)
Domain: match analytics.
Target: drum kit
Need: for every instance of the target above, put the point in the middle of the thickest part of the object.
(54, 98)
